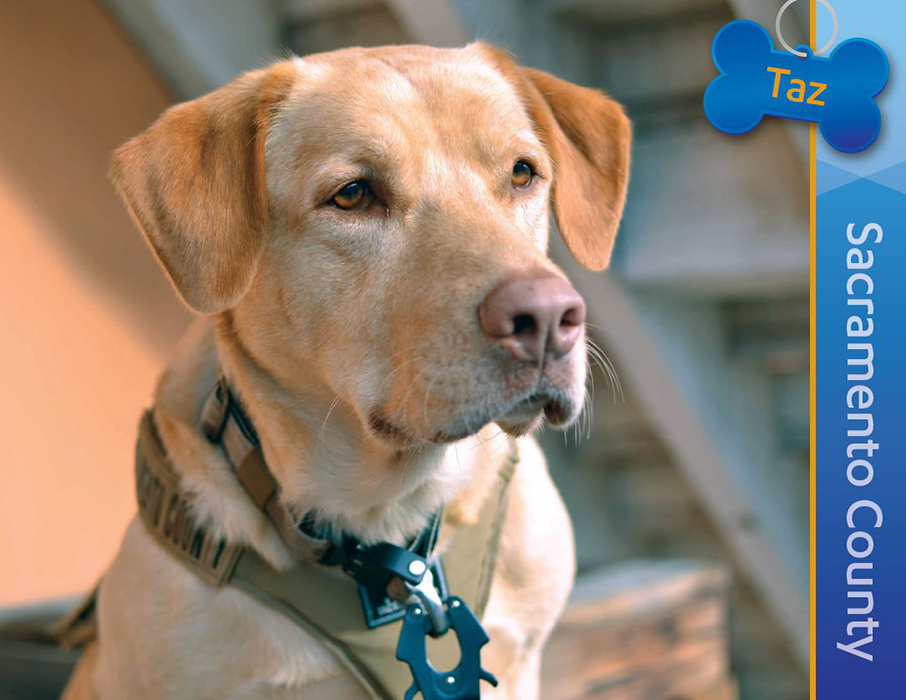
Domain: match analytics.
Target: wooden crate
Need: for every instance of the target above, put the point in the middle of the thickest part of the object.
(646, 630)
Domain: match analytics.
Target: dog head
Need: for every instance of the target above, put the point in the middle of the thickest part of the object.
(375, 221)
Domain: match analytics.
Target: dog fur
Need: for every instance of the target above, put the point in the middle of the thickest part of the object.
(353, 341)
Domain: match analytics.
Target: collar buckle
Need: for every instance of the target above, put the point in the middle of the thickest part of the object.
(375, 566)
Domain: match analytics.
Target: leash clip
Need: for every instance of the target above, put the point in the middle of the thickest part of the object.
(462, 683)
(426, 593)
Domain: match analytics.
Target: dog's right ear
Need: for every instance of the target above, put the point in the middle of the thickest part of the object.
(589, 139)
(194, 183)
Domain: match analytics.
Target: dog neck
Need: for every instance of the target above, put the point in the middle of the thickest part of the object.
(324, 460)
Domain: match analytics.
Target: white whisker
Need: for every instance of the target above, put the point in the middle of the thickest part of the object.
(333, 405)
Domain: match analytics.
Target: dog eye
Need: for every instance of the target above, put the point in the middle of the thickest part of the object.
(523, 173)
(355, 195)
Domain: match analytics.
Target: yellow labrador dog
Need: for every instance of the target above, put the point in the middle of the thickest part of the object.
(363, 234)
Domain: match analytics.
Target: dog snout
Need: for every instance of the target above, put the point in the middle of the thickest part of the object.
(533, 316)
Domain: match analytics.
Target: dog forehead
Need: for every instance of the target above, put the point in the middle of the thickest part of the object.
(414, 71)
(403, 91)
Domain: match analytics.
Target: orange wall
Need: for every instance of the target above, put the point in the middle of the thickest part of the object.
(85, 316)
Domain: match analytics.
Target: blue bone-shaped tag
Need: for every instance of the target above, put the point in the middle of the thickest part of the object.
(836, 92)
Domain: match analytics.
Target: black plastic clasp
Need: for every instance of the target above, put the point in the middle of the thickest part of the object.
(376, 565)
(462, 683)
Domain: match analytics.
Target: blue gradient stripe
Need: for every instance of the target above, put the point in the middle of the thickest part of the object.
(860, 406)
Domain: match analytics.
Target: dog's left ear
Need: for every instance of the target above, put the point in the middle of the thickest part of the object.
(589, 137)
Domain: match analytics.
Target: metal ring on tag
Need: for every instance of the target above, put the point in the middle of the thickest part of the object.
(802, 54)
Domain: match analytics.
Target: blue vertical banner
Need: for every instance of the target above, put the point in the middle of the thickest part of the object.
(860, 384)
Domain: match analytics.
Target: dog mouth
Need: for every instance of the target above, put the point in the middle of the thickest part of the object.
(516, 418)
(389, 431)
(540, 397)
(526, 414)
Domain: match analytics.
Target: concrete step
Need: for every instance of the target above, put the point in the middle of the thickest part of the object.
(643, 629)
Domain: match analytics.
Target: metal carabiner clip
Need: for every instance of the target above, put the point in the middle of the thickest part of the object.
(426, 593)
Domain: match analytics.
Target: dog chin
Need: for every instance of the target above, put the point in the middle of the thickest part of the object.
(520, 428)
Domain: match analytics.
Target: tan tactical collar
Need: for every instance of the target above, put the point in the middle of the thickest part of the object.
(223, 421)
(168, 514)
(166, 510)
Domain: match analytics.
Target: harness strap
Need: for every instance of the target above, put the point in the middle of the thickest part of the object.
(167, 514)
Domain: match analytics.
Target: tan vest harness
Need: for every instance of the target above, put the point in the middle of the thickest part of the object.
(317, 597)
